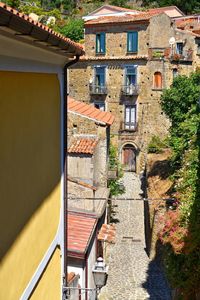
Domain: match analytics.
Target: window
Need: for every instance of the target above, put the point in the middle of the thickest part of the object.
(175, 73)
(157, 80)
(130, 75)
(100, 76)
(99, 105)
(100, 43)
(132, 41)
(198, 49)
(179, 48)
(130, 117)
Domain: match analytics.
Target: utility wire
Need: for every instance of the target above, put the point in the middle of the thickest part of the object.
(132, 199)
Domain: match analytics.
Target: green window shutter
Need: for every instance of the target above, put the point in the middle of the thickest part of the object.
(100, 43)
(132, 41)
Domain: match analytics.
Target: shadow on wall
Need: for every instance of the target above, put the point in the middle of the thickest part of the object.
(29, 151)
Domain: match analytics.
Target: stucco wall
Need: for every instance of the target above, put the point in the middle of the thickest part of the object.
(30, 175)
(49, 287)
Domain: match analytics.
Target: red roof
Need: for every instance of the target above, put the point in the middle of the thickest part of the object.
(107, 233)
(83, 145)
(22, 23)
(90, 112)
(80, 230)
(144, 16)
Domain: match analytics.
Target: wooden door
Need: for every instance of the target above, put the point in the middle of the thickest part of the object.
(129, 159)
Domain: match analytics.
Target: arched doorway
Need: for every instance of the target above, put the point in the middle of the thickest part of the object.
(129, 157)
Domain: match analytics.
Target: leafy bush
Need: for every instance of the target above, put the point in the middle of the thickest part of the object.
(73, 29)
(181, 227)
(116, 187)
(156, 145)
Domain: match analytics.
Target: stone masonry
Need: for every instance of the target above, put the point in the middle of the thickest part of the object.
(153, 55)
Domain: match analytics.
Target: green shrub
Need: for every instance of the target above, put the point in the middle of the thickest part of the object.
(156, 145)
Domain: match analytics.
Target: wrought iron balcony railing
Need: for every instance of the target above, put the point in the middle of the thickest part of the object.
(130, 90)
(128, 126)
(186, 55)
(98, 89)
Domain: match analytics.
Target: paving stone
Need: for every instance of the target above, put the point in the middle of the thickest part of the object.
(132, 275)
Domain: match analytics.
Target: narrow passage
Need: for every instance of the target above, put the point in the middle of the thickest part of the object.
(132, 275)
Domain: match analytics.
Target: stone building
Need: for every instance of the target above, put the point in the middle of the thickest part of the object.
(88, 146)
(130, 58)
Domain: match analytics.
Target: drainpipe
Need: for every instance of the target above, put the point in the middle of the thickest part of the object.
(65, 217)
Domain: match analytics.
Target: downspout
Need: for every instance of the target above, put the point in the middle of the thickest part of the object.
(65, 128)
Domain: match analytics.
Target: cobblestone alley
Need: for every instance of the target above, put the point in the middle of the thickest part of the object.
(132, 275)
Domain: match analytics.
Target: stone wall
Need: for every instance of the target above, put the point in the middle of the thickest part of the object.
(150, 118)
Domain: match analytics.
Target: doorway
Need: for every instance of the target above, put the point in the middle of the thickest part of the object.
(129, 158)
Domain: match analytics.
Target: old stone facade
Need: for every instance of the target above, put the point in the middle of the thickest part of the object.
(132, 82)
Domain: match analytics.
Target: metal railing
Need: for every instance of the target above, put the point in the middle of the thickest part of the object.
(128, 126)
(186, 55)
(98, 89)
(130, 90)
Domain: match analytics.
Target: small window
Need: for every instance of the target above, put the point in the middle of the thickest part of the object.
(179, 48)
(198, 49)
(157, 80)
(99, 105)
(132, 42)
(100, 43)
(175, 73)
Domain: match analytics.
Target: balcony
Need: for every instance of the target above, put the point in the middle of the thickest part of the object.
(130, 90)
(128, 126)
(98, 89)
(186, 55)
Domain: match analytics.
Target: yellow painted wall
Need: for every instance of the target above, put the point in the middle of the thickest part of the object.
(29, 175)
(49, 285)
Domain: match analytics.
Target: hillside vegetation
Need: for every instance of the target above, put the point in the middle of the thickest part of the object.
(67, 14)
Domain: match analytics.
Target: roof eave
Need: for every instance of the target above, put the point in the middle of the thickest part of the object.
(22, 27)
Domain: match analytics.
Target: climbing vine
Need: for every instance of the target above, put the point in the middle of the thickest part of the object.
(181, 228)
(116, 187)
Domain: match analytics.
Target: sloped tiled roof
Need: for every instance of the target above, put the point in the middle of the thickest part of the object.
(90, 112)
(80, 230)
(82, 145)
(168, 10)
(111, 7)
(144, 16)
(107, 233)
(22, 23)
(128, 57)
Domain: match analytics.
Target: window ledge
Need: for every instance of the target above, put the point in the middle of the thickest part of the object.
(100, 53)
(131, 53)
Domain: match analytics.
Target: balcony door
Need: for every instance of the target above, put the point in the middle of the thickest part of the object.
(130, 117)
(100, 78)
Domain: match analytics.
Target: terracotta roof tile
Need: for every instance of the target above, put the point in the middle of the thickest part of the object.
(100, 58)
(107, 233)
(83, 145)
(21, 18)
(144, 16)
(80, 230)
(90, 112)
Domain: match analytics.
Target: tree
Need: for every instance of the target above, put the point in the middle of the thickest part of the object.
(13, 3)
(180, 233)
(74, 29)
(122, 3)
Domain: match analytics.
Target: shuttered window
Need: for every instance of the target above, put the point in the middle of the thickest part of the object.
(101, 43)
(100, 76)
(132, 41)
(157, 80)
